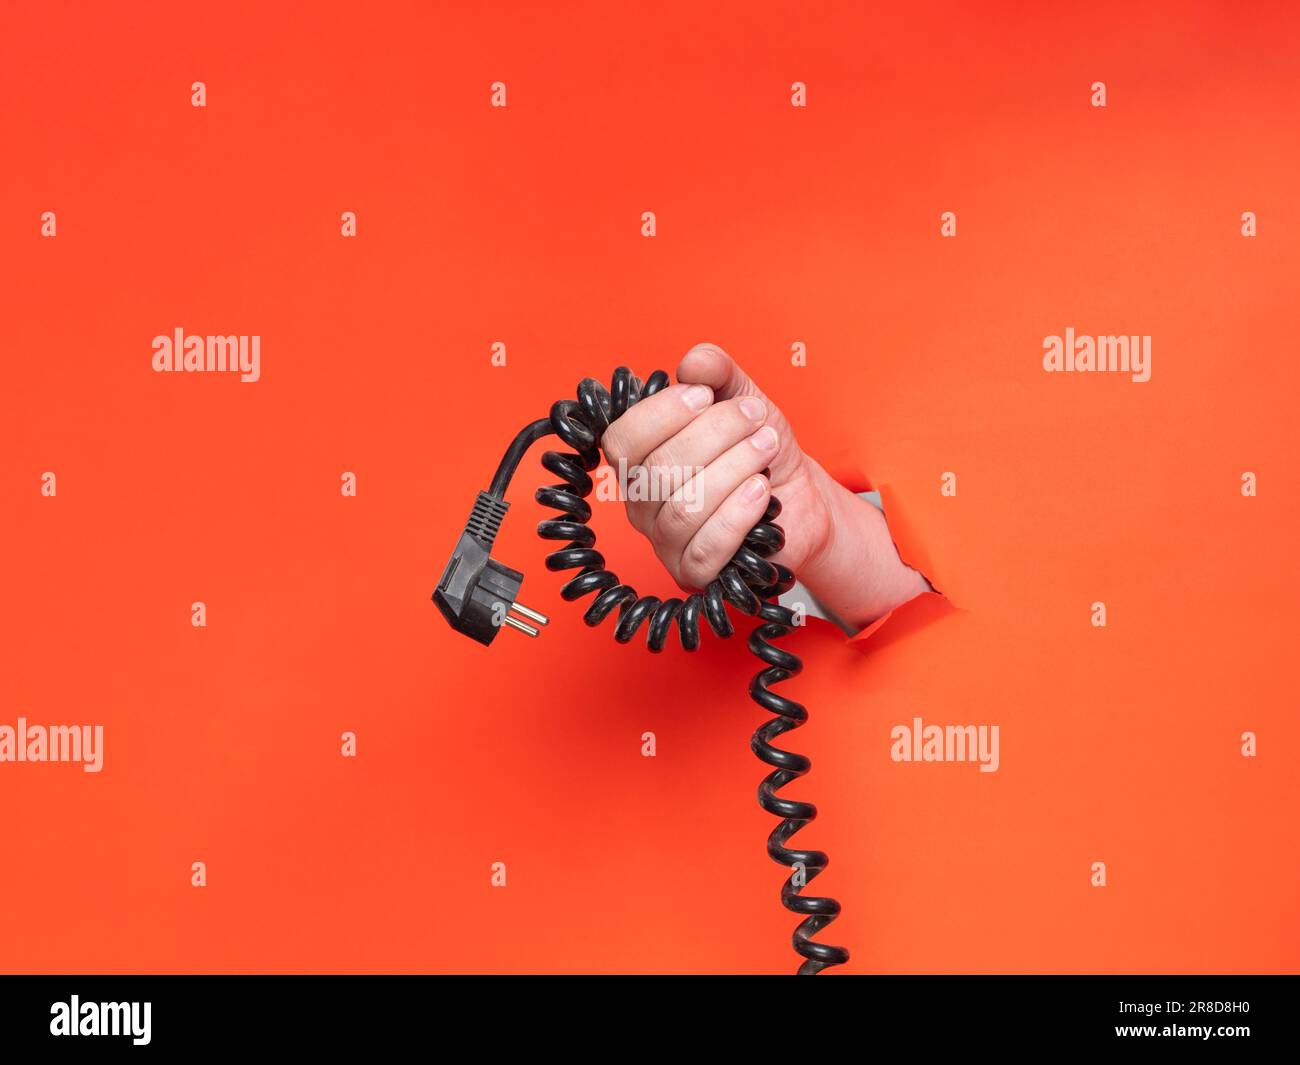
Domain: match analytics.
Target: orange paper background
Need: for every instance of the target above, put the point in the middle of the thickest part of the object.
(522, 225)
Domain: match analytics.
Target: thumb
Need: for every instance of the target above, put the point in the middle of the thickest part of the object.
(708, 364)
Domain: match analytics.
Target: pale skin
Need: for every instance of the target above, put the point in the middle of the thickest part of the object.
(717, 421)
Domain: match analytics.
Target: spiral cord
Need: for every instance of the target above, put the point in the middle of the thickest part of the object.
(750, 582)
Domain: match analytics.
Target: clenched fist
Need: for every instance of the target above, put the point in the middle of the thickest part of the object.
(707, 440)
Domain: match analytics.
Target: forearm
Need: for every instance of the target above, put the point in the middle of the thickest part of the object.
(857, 574)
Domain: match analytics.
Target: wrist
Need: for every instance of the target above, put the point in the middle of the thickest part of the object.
(856, 572)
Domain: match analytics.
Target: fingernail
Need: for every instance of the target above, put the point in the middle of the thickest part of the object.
(753, 408)
(754, 489)
(765, 439)
(697, 397)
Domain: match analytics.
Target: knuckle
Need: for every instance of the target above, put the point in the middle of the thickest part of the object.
(641, 518)
(730, 524)
(673, 518)
(662, 459)
(674, 563)
(613, 445)
(697, 561)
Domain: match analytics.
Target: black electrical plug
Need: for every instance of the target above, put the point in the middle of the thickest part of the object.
(477, 594)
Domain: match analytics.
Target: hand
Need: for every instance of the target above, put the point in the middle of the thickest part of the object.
(705, 442)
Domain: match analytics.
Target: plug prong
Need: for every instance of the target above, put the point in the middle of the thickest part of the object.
(531, 615)
(515, 623)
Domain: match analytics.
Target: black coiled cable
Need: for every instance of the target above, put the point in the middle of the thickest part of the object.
(750, 582)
